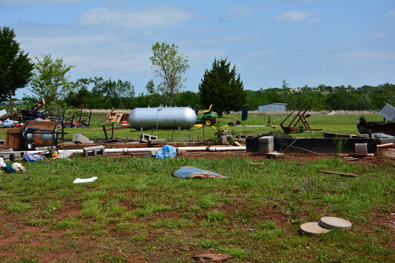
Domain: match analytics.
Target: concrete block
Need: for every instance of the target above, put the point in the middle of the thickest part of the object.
(266, 144)
(223, 139)
(10, 154)
(79, 138)
(7, 155)
(266, 139)
(156, 141)
(361, 149)
(94, 151)
(145, 137)
(65, 154)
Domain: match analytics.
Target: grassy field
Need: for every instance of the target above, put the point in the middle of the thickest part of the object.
(345, 123)
(137, 212)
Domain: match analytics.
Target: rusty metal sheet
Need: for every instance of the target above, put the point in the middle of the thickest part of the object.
(41, 125)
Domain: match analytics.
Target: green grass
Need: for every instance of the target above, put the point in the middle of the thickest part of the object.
(137, 212)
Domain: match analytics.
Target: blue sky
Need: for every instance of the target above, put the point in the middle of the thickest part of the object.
(305, 42)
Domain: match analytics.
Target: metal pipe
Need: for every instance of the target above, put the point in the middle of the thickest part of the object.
(125, 150)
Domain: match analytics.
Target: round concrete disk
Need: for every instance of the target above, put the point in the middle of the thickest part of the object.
(334, 223)
(312, 228)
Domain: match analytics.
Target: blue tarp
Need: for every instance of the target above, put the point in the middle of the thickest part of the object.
(193, 172)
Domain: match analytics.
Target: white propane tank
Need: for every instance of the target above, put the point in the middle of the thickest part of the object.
(163, 118)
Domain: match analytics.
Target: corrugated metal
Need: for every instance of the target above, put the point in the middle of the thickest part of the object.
(273, 107)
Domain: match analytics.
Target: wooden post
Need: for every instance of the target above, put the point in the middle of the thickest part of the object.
(12, 117)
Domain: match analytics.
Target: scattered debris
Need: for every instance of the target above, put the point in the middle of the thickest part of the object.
(325, 225)
(301, 118)
(213, 257)
(88, 180)
(64, 154)
(31, 157)
(329, 222)
(237, 143)
(386, 145)
(33, 113)
(79, 138)
(313, 228)
(257, 164)
(18, 167)
(193, 172)
(94, 151)
(167, 151)
(339, 173)
(388, 128)
(114, 117)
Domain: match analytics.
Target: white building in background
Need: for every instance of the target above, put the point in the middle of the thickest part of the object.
(274, 106)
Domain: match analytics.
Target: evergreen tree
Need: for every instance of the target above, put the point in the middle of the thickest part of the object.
(15, 66)
(221, 87)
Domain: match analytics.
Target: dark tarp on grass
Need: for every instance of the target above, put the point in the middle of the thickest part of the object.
(193, 172)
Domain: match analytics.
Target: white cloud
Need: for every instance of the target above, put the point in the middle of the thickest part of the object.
(139, 17)
(391, 13)
(293, 15)
(261, 53)
(36, 2)
(378, 34)
(315, 19)
(362, 56)
(241, 11)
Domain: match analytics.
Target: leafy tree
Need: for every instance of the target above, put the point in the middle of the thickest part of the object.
(15, 66)
(49, 80)
(221, 87)
(169, 65)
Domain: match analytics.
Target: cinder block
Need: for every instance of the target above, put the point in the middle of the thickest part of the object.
(266, 144)
(79, 138)
(266, 139)
(7, 155)
(157, 141)
(65, 154)
(94, 151)
(361, 149)
(146, 137)
(223, 139)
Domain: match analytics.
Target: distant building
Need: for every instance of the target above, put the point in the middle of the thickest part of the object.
(274, 106)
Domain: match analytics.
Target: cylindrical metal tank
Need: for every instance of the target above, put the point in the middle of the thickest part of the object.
(163, 118)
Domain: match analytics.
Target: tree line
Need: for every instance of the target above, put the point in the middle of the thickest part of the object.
(220, 85)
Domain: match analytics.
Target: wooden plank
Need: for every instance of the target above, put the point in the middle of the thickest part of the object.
(341, 174)
(42, 125)
(237, 144)
(385, 145)
(12, 139)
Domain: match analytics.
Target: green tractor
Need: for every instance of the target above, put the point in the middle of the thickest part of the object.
(208, 118)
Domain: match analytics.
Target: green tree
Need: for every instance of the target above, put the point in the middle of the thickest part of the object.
(15, 66)
(50, 82)
(221, 87)
(169, 65)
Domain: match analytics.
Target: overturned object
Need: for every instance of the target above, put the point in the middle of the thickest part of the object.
(365, 127)
(193, 172)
